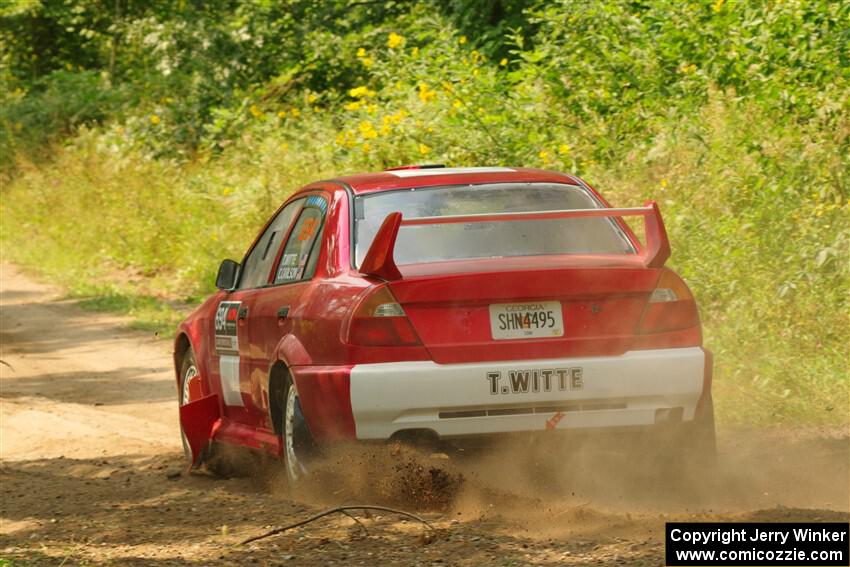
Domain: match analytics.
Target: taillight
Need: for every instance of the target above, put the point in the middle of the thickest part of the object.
(379, 320)
(671, 306)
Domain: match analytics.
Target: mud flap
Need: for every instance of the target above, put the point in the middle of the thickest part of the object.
(198, 418)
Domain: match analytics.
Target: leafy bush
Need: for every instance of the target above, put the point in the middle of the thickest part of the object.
(54, 107)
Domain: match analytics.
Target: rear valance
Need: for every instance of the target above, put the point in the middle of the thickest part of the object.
(379, 259)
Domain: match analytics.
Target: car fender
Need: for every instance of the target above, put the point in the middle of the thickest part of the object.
(289, 352)
(191, 330)
(192, 335)
(323, 390)
(292, 352)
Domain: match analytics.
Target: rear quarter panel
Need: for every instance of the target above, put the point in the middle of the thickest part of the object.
(196, 327)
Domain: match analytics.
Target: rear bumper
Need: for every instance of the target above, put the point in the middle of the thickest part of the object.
(633, 389)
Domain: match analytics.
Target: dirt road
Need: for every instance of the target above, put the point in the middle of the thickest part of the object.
(91, 455)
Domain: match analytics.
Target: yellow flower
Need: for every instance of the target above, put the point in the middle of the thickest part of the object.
(367, 61)
(475, 72)
(361, 92)
(415, 51)
(663, 182)
(385, 129)
(366, 147)
(372, 108)
(544, 156)
(154, 119)
(256, 112)
(361, 52)
(367, 130)
(354, 105)
(425, 93)
(345, 139)
(503, 62)
(564, 149)
(717, 6)
(295, 112)
(462, 39)
(227, 191)
(394, 40)
(424, 150)
(284, 146)
(457, 103)
(311, 98)
(281, 114)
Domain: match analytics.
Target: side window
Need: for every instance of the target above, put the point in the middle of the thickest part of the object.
(258, 263)
(300, 255)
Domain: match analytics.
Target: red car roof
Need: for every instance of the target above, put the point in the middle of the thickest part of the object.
(424, 177)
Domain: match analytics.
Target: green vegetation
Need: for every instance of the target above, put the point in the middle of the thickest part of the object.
(144, 141)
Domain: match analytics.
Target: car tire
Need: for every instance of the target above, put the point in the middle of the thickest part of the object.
(298, 445)
(701, 440)
(689, 452)
(188, 370)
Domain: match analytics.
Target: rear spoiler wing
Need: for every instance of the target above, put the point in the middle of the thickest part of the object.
(379, 259)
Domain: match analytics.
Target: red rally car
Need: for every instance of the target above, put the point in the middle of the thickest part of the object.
(445, 302)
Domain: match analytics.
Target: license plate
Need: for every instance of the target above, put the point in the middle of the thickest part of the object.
(526, 320)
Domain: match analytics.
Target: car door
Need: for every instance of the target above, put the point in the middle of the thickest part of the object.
(276, 311)
(233, 352)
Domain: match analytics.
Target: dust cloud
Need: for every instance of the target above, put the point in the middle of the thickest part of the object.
(589, 478)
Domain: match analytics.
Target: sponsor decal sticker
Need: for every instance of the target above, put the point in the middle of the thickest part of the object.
(541, 380)
(290, 267)
(226, 341)
(227, 349)
(316, 201)
(552, 422)
(308, 229)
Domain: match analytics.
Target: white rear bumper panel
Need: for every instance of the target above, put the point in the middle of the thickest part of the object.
(523, 395)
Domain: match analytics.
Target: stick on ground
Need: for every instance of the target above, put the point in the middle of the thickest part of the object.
(341, 510)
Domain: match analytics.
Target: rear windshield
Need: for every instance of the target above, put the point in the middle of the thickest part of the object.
(488, 239)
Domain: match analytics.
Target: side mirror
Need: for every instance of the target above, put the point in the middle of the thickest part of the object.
(227, 272)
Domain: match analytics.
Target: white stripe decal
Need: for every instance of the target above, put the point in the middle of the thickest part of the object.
(229, 370)
(447, 171)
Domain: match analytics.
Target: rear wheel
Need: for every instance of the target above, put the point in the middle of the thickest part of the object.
(690, 451)
(700, 440)
(298, 445)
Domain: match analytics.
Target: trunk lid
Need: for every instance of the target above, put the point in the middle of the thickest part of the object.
(600, 306)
